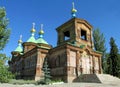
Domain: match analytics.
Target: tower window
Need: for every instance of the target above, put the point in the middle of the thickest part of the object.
(83, 35)
(66, 35)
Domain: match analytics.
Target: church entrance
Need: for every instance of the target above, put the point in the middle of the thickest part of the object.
(85, 63)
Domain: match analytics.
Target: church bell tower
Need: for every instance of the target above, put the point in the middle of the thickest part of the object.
(75, 31)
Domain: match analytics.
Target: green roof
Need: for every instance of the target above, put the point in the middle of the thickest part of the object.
(19, 49)
(44, 47)
(41, 40)
(31, 39)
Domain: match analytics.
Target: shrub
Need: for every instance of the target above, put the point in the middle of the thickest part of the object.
(42, 82)
(5, 75)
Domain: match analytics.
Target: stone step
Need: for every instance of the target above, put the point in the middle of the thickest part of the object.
(99, 78)
(105, 78)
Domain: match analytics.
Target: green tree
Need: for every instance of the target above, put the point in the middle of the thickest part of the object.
(105, 61)
(119, 67)
(46, 70)
(113, 59)
(99, 44)
(4, 30)
(109, 65)
(5, 74)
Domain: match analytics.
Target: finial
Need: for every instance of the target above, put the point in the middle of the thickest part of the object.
(41, 26)
(19, 47)
(33, 28)
(73, 12)
(33, 25)
(73, 5)
(20, 37)
(20, 40)
(41, 33)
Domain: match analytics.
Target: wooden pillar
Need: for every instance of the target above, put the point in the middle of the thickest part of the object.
(37, 76)
(93, 61)
(100, 65)
(68, 64)
(90, 57)
(81, 69)
(68, 57)
(78, 64)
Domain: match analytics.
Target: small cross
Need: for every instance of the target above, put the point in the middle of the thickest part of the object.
(73, 4)
(20, 37)
(33, 25)
(41, 26)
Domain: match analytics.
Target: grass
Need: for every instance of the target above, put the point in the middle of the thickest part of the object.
(42, 82)
(21, 82)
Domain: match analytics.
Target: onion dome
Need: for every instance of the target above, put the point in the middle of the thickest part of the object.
(19, 47)
(32, 38)
(33, 30)
(73, 11)
(41, 34)
(19, 41)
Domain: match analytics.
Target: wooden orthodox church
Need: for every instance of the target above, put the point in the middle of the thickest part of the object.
(74, 54)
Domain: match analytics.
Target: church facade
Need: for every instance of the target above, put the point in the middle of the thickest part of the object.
(74, 54)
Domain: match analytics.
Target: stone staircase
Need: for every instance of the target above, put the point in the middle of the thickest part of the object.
(108, 79)
(99, 78)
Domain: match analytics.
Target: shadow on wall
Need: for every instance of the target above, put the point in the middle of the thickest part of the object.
(91, 78)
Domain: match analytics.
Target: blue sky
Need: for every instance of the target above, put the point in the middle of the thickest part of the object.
(102, 14)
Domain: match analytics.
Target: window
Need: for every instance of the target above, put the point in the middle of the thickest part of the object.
(66, 35)
(83, 35)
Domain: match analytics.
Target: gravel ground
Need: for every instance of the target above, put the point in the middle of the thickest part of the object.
(64, 85)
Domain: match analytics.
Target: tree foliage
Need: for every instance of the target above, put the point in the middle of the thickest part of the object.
(99, 44)
(5, 74)
(105, 62)
(109, 65)
(113, 61)
(4, 30)
(46, 70)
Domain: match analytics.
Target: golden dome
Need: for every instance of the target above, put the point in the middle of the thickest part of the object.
(41, 32)
(33, 30)
(74, 10)
(19, 41)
